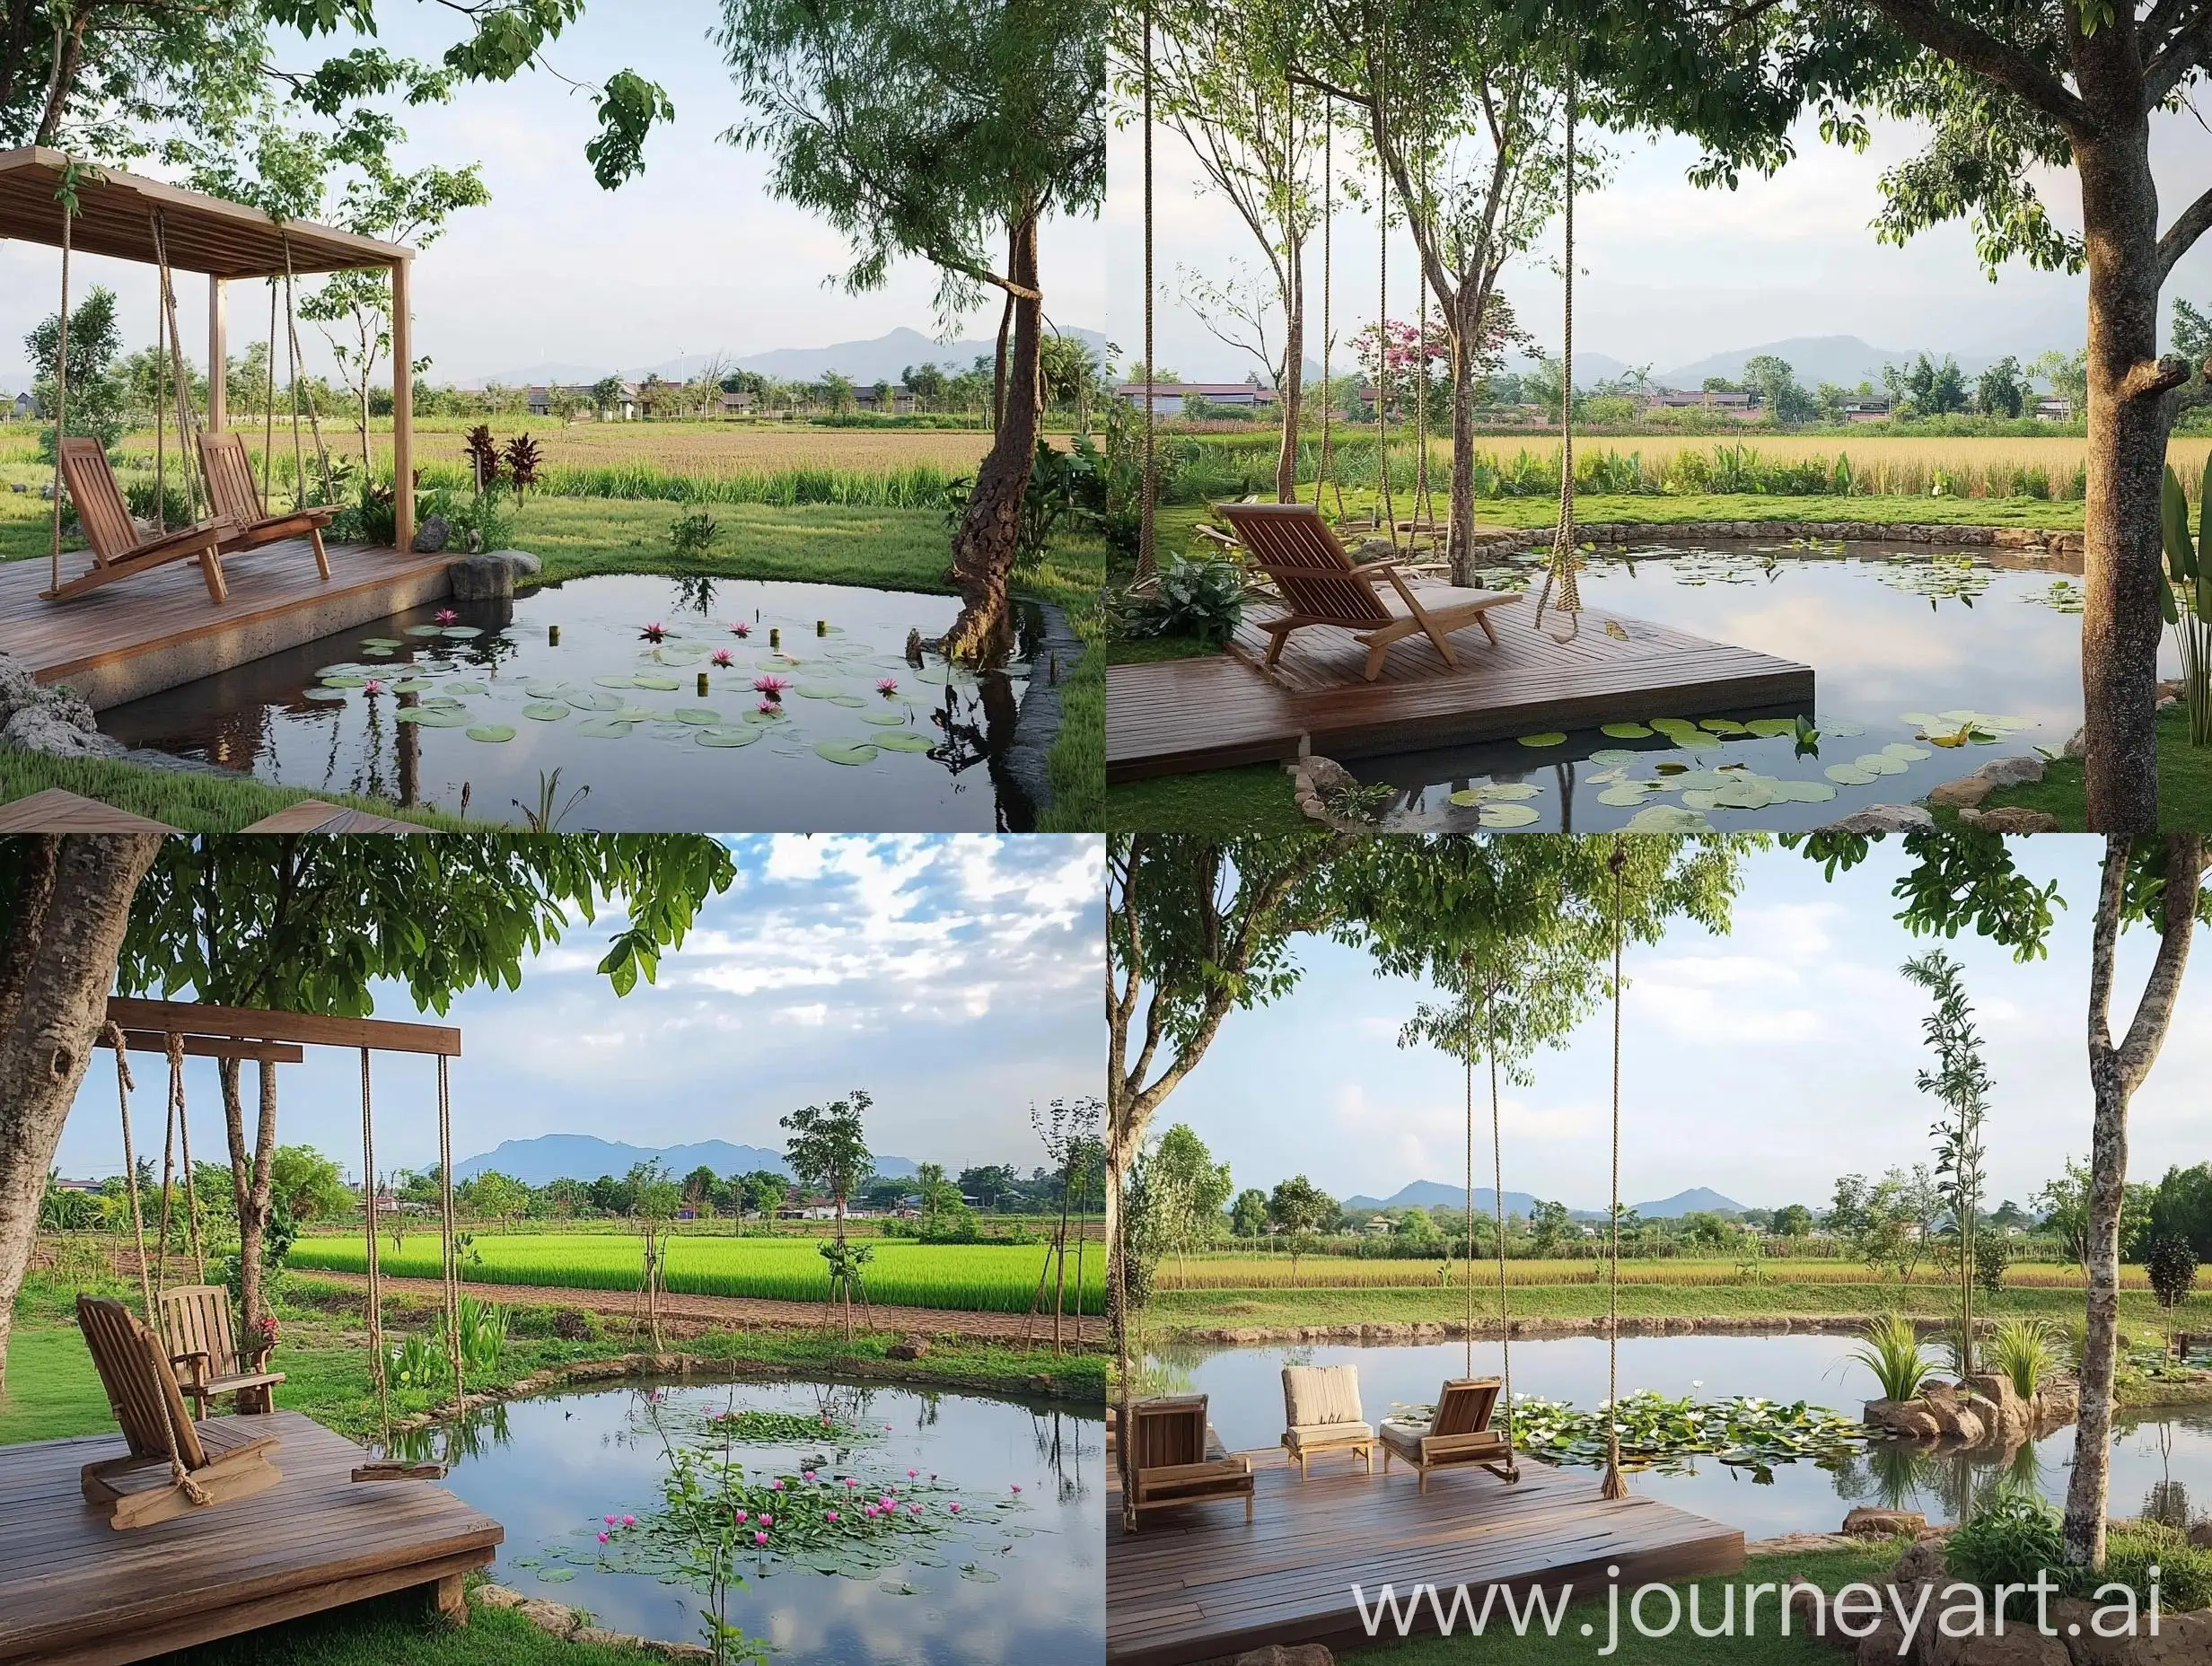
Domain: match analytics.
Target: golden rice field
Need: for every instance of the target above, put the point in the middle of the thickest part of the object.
(1326, 1272)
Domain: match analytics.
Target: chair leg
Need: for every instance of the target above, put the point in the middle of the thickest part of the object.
(211, 569)
(1443, 644)
(323, 556)
(1277, 636)
(1488, 629)
(1376, 653)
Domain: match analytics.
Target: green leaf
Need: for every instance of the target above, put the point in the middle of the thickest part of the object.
(489, 731)
(846, 751)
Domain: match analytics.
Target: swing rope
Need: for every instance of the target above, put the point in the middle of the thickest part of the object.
(179, 1476)
(61, 385)
(1325, 467)
(184, 1145)
(1498, 1204)
(377, 1363)
(1147, 555)
(268, 410)
(315, 422)
(1385, 512)
(161, 396)
(1563, 563)
(1616, 1486)
(452, 1255)
(194, 496)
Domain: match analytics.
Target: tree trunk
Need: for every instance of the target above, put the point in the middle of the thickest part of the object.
(998, 367)
(1292, 392)
(983, 549)
(1466, 320)
(250, 1175)
(2127, 454)
(57, 955)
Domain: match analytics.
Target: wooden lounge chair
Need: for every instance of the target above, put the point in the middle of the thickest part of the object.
(196, 1324)
(118, 552)
(232, 489)
(1458, 1433)
(1177, 1458)
(1323, 585)
(1320, 1403)
(223, 1459)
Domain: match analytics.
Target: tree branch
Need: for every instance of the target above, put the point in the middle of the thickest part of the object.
(1986, 54)
(2194, 221)
(2173, 62)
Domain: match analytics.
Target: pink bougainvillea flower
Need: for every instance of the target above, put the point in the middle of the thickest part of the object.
(446, 616)
(741, 630)
(887, 685)
(721, 658)
(655, 633)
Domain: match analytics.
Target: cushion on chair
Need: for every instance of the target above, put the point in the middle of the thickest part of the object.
(1316, 1435)
(1443, 599)
(1314, 1396)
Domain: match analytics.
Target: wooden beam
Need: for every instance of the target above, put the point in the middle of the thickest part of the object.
(219, 360)
(213, 1047)
(249, 1024)
(402, 406)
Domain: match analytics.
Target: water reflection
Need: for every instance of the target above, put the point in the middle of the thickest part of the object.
(2151, 1448)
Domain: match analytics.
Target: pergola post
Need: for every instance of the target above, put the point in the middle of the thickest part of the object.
(402, 407)
(219, 360)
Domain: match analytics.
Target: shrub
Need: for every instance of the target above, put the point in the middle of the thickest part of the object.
(2020, 1351)
(2008, 1541)
(690, 536)
(1891, 1349)
(1202, 600)
(2185, 1569)
(2015, 1537)
(574, 1324)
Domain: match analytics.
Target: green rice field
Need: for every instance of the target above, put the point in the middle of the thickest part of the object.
(995, 1278)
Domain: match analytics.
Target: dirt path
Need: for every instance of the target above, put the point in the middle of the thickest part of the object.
(686, 1315)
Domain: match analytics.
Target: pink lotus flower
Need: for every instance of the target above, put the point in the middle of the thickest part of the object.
(742, 630)
(446, 616)
(655, 633)
(773, 686)
(777, 1485)
(602, 1539)
(631, 1520)
(767, 1521)
(887, 686)
(912, 1473)
(810, 1474)
(869, 1513)
(885, 1502)
(849, 1481)
(1017, 1486)
(742, 1516)
(608, 1519)
(913, 1509)
(722, 657)
(953, 1508)
(760, 1539)
(373, 686)
(887, 1428)
(828, 1515)
(769, 708)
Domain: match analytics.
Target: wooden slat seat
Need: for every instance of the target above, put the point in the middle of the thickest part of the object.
(237, 498)
(1176, 1457)
(1459, 1432)
(222, 1460)
(118, 552)
(1322, 584)
(196, 1327)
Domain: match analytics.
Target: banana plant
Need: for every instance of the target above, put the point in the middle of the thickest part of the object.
(2186, 598)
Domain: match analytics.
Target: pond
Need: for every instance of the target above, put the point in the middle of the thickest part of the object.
(1927, 663)
(2151, 1447)
(993, 1552)
(477, 705)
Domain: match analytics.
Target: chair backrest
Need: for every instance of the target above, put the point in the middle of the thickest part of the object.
(1169, 1430)
(141, 1388)
(1293, 546)
(1317, 1396)
(1465, 1406)
(98, 500)
(231, 486)
(196, 1318)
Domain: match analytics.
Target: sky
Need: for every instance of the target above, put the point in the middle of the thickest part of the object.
(1762, 1064)
(690, 257)
(954, 978)
(1667, 273)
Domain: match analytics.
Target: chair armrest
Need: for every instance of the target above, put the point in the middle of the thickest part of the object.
(197, 1364)
(190, 537)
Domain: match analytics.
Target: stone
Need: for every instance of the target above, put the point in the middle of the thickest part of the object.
(1922, 1561)
(909, 1347)
(2076, 744)
(1998, 772)
(1955, 1415)
(1885, 1645)
(2008, 1418)
(431, 535)
(1908, 1418)
(499, 1596)
(2010, 819)
(525, 566)
(481, 578)
(50, 718)
(2057, 1403)
(687, 1651)
(1866, 1521)
(606, 1639)
(1292, 1655)
(2016, 1647)
(555, 1618)
(1883, 818)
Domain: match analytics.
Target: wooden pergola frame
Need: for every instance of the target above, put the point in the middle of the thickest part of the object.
(221, 1032)
(225, 241)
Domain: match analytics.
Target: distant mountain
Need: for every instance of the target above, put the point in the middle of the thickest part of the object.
(1429, 1194)
(584, 1157)
(1844, 360)
(867, 362)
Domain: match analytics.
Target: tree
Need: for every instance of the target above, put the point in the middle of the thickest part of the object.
(1461, 114)
(2000, 392)
(2182, 1208)
(1930, 389)
(1248, 1216)
(299, 925)
(828, 1150)
(1548, 1226)
(1960, 1082)
(765, 1192)
(934, 128)
(1299, 1210)
(698, 1191)
(1779, 389)
(2068, 375)
(1792, 1221)
(1190, 1187)
(499, 1196)
(1073, 376)
(1223, 81)
(308, 1185)
(2172, 1266)
(96, 393)
(2192, 332)
(991, 1184)
(2003, 93)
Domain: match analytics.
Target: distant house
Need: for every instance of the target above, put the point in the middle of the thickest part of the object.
(1743, 406)
(898, 400)
(2051, 407)
(1167, 397)
(23, 407)
(738, 404)
(1867, 408)
(541, 400)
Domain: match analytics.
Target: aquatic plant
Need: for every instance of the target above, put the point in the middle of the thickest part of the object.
(653, 632)
(722, 658)
(446, 616)
(740, 630)
(771, 686)
(2021, 1352)
(1663, 1435)
(887, 686)
(1891, 1349)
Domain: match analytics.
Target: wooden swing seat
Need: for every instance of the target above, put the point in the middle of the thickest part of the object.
(118, 550)
(237, 498)
(196, 1324)
(223, 1458)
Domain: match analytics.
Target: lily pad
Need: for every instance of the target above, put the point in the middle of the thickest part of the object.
(468, 688)
(885, 720)
(602, 728)
(491, 731)
(1614, 755)
(1667, 819)
(846, 751)
(1802, 791)
(546, 711)
(1550, 738)
(382, 642)
(663, 685)
(1850, 775)
(1625, 731)
(1906, 753)
(378, 653)
(322, 694)
(635, 715)
(461, 633)
(426, 630)
(756, 716)
(615, 682)
(847, 700)
(545, 689)
(414, 685)
(1770, 727)
(344, 679)
(728, 734)
(1627, 794)
(905, 741)
(700, 714)
(1506, 816)
(1881, 763)
(1721, 725)
(981, 1575)
(432, 716)
(818, 690)
(585, 700)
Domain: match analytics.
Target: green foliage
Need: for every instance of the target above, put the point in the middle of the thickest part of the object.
(1665, 1436)
(2172, 1266)
(2015, 1537)
(2185, 597)
(97, 395)
(2182, 1208)
(827, 1149)
(2025, 1352)
(1203, 601)
(1892, 1351)
(2011, 1540)
(1063, 487)
(690, 536)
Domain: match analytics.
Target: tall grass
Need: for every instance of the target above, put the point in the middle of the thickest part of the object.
(1891, 1349)
(998, 1278)
(2022, 1351)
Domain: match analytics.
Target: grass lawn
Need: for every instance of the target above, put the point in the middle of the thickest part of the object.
(1217, 804)
(2184, 783)
(399, 1631)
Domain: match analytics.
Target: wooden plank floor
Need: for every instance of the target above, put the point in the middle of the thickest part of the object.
(169, 606)
(72, 1589)
(1197, 1583)
(1215, 713)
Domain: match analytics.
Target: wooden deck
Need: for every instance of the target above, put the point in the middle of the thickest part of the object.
(1197, 1585)
(54, 811)
(140, 635)
(74, 1589)
(1212, 713)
